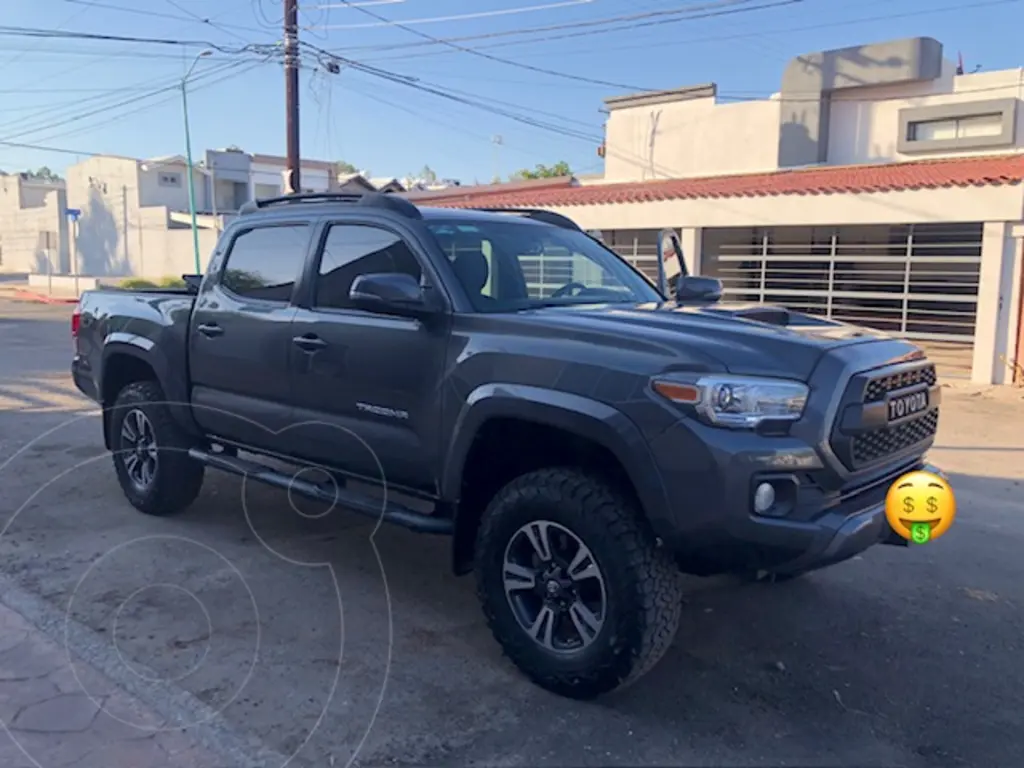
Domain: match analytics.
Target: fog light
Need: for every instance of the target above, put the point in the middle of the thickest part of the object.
(764, 498)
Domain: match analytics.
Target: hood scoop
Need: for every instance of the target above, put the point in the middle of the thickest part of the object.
(759, 313)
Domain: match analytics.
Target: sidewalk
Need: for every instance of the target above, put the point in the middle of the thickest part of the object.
(20, 291)
(64, 715)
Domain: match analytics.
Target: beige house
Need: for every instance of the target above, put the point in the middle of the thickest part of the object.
(33, 226)
(121, 216)
(884, 194)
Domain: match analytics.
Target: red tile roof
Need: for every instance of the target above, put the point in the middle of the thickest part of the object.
(848, 179)
(525, 186)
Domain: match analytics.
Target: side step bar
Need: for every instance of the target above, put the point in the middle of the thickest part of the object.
(356, 502)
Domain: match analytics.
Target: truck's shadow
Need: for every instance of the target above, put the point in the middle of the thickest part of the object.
(896, 657)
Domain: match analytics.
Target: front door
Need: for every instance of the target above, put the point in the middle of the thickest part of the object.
(240, 336)
(367, 385)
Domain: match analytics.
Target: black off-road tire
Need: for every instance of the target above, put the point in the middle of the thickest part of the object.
(643, 584)
(178, 478)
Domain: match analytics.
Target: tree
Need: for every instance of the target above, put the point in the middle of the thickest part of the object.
(561, 168)
(44, 174)
(346, 167)
(428, 175)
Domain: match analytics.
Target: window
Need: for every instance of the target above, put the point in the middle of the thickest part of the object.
(264, 263)
(518, 264)
(170, 179)
(956, 128)
(352, 250)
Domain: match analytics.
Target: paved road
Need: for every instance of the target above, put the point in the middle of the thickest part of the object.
(304, 635)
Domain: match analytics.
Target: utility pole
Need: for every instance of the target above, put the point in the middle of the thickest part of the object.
(291, 89)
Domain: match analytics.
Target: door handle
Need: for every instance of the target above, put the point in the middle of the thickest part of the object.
(209, 329)
(309, 342)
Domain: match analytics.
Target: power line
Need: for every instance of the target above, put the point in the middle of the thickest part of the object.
(966, 5)
(209, 22)
(150, 86)
(688, 12)
(441, 93)
(33, 32)
(44, 148)
(159, 15)
(131, 100)
(498, 59)
(466, 16)
(226, 75)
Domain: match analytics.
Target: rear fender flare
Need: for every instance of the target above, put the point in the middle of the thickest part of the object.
(121, 343)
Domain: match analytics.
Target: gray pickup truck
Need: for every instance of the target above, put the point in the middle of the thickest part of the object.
(581, 437)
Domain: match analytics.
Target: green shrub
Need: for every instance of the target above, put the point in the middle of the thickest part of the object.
(135, 283)
(171, 282)
(139, 283)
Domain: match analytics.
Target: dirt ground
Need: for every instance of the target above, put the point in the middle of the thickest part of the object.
(311, 638)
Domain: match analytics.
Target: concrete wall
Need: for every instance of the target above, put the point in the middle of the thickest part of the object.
(33, 228)
(123, 229)
(867, 130)
(693, 137)
(270, 175)
(701, 136)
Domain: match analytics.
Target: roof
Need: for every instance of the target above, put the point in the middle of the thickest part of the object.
(989, 170)
(480, 194)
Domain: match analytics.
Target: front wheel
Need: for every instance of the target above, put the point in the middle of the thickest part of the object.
(151, 452)
(573, 585)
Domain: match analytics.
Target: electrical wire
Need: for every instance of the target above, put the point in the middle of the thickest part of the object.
(498, 59)
(688, 12)
(56, 34)
(962, 6)
(18, 57)
(150, 86)
(128, 101)
(235, 69)
(410, 82)
(465, 16)
(160, 15)
(225, 28)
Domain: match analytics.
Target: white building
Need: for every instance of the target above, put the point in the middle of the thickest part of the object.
(879, 187)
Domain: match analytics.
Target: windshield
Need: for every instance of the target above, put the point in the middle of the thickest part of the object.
(519, 264)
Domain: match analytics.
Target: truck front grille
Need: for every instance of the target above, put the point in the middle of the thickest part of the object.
(877, 389)
(869, 447)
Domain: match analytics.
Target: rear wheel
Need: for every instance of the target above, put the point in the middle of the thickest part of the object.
(572, 583)
(151, 457)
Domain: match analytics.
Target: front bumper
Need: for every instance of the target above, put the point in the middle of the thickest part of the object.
(712, 527)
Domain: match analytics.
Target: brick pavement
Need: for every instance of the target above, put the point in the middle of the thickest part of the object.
(65, 716)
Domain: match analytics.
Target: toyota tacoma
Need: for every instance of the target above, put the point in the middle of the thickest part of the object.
(583, 435)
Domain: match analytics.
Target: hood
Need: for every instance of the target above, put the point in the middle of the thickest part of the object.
(747, 339)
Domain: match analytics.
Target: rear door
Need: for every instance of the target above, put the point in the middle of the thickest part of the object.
(240, 336)
(367, 385)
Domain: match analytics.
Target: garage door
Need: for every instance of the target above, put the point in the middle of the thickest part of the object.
(918, 281)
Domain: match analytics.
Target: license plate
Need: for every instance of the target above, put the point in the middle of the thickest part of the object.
(907, 405)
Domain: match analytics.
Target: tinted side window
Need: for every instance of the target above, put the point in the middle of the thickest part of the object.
(351, 250)
(264, 263)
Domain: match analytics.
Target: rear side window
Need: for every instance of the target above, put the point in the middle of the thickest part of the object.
(265, 262)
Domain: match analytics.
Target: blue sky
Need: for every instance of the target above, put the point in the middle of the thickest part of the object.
(105, 97)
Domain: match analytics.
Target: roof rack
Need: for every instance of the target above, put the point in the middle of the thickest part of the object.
(548, 217)
(368, 199)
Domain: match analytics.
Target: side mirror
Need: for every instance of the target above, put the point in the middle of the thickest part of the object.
(694, 288)
(392, 293)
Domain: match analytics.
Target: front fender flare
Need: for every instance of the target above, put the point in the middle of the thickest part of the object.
(583, 416)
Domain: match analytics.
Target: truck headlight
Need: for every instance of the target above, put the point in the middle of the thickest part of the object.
(738, 402)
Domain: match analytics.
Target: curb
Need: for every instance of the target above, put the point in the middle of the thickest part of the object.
(26, 295)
